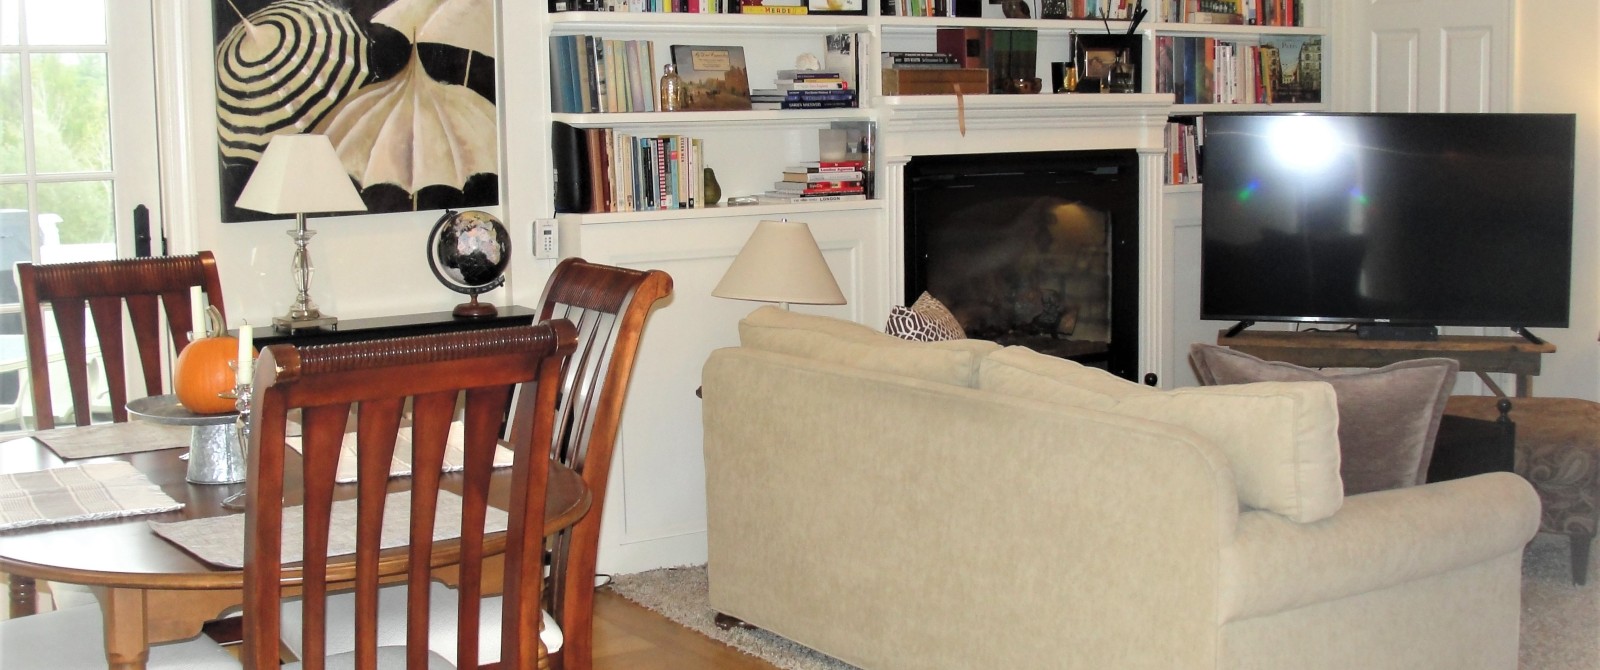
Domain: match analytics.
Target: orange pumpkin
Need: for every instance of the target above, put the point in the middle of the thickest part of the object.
(202, 373)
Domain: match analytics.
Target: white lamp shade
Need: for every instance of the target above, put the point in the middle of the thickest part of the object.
(300, 174)
(780, 263)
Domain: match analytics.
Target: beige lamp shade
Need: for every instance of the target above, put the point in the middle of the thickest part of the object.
(780, 263)
(300, 174)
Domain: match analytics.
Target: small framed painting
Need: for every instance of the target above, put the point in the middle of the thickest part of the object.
(836, 6)
(714, 77)
(1112, 62)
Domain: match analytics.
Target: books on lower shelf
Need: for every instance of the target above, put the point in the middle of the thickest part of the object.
(622, 172)
(1183, 144)
(779, 198)
(1250, 12)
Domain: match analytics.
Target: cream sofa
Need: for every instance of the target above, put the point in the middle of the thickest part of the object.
(958, 505)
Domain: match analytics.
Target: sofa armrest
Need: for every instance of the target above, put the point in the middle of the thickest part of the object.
(1375, 541)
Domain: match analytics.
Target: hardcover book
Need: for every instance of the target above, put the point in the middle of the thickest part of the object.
(714, 77)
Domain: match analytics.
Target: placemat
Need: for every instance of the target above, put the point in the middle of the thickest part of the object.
(79, 493)
(454, 456)
(220, 540)
(111, 439)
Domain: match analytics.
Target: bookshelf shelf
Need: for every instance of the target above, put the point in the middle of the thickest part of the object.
(1201, 29)
(618, 23)
(893, 25)
(773, 118)
(1191, 110)
(722, 211)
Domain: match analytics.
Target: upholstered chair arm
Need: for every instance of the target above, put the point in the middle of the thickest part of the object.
(1375, 541)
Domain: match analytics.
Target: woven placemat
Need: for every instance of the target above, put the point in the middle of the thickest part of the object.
(112, 439)
(79, 493)
(220, 540)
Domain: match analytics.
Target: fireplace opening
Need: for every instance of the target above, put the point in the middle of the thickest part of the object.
(1034, 249)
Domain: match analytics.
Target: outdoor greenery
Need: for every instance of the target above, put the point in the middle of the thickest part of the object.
(71, 134)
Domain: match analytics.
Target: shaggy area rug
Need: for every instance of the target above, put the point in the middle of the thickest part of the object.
(1560, 621)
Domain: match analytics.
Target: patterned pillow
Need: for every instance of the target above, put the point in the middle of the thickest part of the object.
(927, 320)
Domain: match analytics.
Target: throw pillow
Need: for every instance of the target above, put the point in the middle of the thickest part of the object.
(927, 320)
(1388, 416)
(848, 343)
(1280, 439)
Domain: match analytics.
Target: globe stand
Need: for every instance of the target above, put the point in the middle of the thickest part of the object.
(474, 309)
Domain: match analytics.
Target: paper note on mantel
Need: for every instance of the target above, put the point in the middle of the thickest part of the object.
(454, 456)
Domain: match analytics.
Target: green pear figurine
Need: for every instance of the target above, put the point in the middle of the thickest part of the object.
(713, 189)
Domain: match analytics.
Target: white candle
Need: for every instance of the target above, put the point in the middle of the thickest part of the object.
(197, 312)
(246, 367)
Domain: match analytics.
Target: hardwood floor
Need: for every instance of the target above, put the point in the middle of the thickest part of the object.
(630, 637)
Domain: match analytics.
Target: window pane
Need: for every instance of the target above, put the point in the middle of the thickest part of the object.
(71, 119)
(15, 245)
(12, 160)
(66, 22)
(76, 222)
(10, 35)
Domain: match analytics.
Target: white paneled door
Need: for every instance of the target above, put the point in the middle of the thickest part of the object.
(1430, 55)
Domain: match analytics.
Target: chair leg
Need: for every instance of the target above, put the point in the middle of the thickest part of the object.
(1580, 558)
(23, 596)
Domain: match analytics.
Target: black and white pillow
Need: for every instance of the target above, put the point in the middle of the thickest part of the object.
(927, 320)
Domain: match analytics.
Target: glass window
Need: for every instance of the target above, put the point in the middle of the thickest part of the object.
(10, 23)
(11, 147)
(71, 119)
(65, 22)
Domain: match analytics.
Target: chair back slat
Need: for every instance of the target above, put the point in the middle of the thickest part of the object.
(426, 375)
(103, 287)
(608, 305)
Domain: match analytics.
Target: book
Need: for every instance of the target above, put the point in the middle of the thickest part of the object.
(714, 77)
(820, 188)
(762, 9)
(803, 75)
(822, 177)
(819, 94)
(843, 55)
(811, 85)
(779, 198)
(825, 166)
(816, 104)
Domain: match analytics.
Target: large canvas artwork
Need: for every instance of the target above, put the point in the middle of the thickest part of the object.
(405, 89)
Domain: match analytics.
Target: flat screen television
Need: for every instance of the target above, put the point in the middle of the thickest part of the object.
(1394, 222)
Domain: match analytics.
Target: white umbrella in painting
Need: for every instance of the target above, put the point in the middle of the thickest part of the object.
(468, 24)
(412, 132)
(282, 69)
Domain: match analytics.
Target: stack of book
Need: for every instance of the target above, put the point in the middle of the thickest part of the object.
(819, 181)
(805, 89)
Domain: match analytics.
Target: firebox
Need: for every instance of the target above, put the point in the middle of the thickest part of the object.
(1039, 249)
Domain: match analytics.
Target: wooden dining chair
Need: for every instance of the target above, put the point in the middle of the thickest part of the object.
(384, 379)
(608, 305)
(144, 284)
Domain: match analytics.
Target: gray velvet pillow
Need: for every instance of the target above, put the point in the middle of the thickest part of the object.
(1388, 416)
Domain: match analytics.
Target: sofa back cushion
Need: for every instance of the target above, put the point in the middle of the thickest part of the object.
(1280, 438)
(848, 343)
(1388, 416)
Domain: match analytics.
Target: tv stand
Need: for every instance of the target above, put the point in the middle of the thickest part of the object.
(1319, 349)
(1528, 334)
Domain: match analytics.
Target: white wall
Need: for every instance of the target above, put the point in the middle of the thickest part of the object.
(1557, 69)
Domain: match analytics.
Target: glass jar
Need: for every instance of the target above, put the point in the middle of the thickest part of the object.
(671, 89)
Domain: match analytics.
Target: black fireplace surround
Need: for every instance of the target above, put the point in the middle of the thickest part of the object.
(1038, 249)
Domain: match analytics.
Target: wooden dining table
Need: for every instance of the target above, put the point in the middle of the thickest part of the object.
(153, 591)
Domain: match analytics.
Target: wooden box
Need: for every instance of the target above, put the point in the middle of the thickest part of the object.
(973, 81)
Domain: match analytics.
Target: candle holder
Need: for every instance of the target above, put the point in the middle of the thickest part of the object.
(241, 401)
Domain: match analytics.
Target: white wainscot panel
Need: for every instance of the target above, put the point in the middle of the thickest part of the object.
(1468, 69)
(1393, 79)
(655, 512)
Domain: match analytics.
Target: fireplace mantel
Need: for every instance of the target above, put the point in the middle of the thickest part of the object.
(911, 126)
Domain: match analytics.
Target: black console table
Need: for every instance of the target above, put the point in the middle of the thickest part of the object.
(357, 330)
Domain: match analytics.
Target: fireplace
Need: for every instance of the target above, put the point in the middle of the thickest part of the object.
(1118, 128)
(1038, 249)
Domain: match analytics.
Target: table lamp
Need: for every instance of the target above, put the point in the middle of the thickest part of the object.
(780, 263)
(299, 175)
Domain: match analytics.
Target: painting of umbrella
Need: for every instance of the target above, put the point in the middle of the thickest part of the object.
(404, 88)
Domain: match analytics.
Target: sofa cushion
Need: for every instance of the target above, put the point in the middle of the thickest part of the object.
(848, 343)
(1388, 416)
(926, 320)
(1280, 438)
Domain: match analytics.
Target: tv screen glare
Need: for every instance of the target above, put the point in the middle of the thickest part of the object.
(1402, 219)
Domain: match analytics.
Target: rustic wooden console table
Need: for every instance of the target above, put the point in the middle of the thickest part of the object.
(1320, 349)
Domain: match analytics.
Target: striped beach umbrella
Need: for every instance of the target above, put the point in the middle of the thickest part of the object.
(282, 69)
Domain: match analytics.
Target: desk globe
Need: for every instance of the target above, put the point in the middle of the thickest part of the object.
(468, 251)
